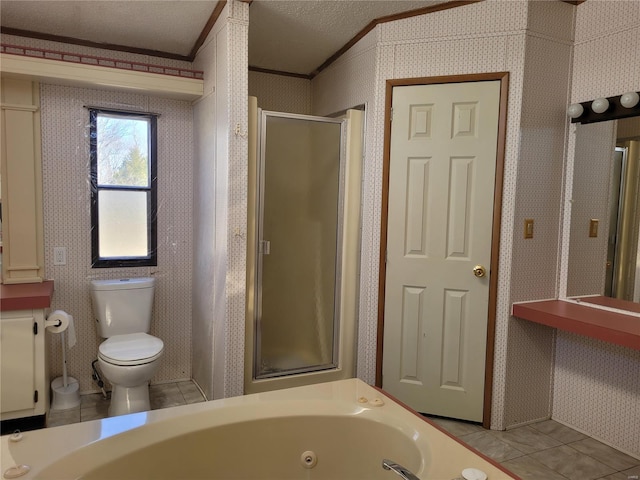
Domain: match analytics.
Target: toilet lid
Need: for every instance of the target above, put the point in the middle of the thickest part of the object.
(131, 349)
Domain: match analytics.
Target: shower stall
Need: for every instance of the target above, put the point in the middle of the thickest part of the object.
(303, 201)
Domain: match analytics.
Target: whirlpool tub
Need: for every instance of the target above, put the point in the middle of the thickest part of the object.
(331, 431)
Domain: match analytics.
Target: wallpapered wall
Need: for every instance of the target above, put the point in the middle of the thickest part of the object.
(205, 135)
(597, 385)
(534, 375)
(281, 94)
(532, 41)
(67, 222)
(452, 42)
(538, 195)
(232, 184)
(221, 207)
(350, 81)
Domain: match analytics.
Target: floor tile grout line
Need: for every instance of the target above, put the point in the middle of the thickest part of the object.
(79, 409)
(561, 443)
(530, 455)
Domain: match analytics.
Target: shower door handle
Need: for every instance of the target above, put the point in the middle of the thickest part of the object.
(265, 247)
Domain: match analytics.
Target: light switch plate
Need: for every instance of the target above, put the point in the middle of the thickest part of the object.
(528, 228)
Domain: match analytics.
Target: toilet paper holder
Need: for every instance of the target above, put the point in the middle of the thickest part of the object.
(52, 323)
(65, 389)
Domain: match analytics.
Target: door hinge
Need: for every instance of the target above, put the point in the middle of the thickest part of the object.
(35, 328)
(35, 396)
(391, 115)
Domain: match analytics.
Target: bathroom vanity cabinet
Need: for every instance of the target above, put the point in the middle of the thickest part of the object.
(24, 382)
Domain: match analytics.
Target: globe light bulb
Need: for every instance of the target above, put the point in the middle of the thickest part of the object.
(630, 99)
(575, 110)
(600, 105)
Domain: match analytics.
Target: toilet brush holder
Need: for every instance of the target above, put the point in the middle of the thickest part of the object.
(64, 398)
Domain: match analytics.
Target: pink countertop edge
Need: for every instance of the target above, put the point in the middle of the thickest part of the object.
(25, 296)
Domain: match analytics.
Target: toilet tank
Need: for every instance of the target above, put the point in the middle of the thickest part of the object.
(122, 306)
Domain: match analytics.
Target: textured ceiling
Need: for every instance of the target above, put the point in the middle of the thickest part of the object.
(286, 35)
(298, 36)
(165, 26)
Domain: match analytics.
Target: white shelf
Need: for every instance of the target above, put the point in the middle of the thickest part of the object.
(85, 75)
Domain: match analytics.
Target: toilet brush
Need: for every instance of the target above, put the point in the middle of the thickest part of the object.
(65, 389)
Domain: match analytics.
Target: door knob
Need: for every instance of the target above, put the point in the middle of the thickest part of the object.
(479, 271)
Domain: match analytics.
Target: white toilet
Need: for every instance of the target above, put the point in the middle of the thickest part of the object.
(129, 356)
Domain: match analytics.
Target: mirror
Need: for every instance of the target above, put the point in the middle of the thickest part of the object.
(604, 245)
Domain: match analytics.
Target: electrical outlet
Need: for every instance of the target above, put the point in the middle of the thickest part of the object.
(59, 255)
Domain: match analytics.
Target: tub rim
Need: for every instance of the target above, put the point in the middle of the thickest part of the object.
(351, 397)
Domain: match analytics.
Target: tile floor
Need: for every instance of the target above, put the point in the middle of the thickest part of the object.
(547, 451)
(541, 451)
(94, 406)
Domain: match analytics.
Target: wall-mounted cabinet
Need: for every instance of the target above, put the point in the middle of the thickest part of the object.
(22, 224)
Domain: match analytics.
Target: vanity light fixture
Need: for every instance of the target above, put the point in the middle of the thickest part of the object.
(603, 109)
(629, 99)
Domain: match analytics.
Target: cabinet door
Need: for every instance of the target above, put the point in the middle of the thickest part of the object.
(21, 178)
(17, 363)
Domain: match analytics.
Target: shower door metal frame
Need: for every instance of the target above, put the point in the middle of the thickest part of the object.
(259, 245)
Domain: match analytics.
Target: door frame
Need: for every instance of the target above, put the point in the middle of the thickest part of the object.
(503, 77)
(259, 255)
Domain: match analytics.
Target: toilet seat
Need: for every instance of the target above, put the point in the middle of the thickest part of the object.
(131, 349)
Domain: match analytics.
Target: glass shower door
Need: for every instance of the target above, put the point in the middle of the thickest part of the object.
(299, 232)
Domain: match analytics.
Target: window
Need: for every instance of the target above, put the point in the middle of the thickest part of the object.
(123, 189)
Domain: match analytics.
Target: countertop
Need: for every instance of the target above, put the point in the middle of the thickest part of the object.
(605, 325)
(25, 296)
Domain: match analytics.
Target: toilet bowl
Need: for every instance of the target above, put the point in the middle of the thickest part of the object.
(129, 356)
(128, 362)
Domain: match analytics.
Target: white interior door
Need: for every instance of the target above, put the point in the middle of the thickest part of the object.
(441, 190)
